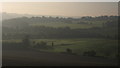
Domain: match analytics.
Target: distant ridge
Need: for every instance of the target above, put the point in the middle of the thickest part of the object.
(15, 15)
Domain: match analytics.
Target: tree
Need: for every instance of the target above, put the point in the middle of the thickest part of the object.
(43, 43)
(69, 50)
(26, 41)
(89, 53)
(52, 44)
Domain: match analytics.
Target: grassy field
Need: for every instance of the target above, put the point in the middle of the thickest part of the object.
(103, 47)
(72, 26)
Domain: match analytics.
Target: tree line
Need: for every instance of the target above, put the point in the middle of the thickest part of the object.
(18, 27)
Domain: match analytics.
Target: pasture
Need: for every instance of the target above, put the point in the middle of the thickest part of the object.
(102, 47)
(71, 25)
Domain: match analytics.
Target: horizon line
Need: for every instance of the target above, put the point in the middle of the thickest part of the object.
(35, 15)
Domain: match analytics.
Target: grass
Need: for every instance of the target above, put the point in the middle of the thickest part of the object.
(103, 47)
(72, 26)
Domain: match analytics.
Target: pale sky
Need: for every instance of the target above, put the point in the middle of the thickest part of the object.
(62, 8)
(59, 0)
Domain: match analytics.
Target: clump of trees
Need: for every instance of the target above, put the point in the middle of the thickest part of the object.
(42, 45)
(89, 53)
(69, 51)
(26, 41)
(12, 30)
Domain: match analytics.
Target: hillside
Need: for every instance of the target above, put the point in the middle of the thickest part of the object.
(34, 58)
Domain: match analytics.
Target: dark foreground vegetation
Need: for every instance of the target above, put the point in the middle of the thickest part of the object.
(37, 58)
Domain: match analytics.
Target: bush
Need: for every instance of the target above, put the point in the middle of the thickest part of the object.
(89, 53)
(26, 41)
(43, 43)
(68, 50)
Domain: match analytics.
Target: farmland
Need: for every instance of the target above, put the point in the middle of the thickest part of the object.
(72, 25)
(94, 37)
(78, 46)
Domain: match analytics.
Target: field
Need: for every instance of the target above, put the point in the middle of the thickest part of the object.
(103, 47)
(72, 26)
(55, 42)
(40, 58)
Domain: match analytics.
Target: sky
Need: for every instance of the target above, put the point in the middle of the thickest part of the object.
(62, 8)
(60, 0)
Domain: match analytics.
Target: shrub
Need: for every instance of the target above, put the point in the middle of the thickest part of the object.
(89, 53)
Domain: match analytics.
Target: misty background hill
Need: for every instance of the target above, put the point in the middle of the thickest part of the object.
(6, 15)
(13, 15)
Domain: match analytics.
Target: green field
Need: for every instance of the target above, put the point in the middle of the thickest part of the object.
(103, 47)
(72, 26)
